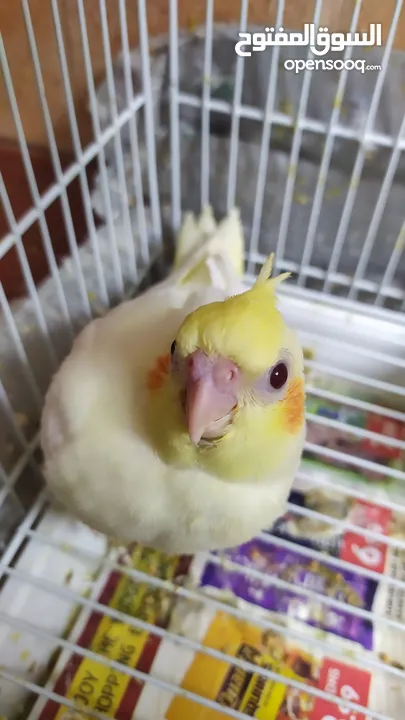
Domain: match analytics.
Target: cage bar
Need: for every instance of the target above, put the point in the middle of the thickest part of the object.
(149, 123)
(28, 279)
(67, 215)
(205, 110)
(46, 238)
(327, 154)
(376, 218)
(119, 158)
(391, 268)
(174, 117)
(133, 137)
(100, 153)
(235, 117)
(19, 348)
(265, 146)
(362, 150)
(295, 151)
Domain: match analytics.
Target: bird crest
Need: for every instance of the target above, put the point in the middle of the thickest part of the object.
(264, 278)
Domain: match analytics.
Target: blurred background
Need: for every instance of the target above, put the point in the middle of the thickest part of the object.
(336, 15)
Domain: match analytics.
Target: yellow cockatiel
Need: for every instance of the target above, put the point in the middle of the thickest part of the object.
(177, 420)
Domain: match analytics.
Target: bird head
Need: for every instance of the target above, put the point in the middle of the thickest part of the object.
(236, 375)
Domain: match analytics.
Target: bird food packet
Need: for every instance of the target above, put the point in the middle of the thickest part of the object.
(347, 448)
(266, 577)
(101, 687)
(263, 672)
(357, 534)
(339, 525)
(305, 560)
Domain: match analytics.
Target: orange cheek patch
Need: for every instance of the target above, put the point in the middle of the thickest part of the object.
(294, 406)
(157, 375)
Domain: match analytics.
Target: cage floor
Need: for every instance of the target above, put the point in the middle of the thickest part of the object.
(64, 599)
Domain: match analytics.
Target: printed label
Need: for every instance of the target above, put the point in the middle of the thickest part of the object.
(353, 445)
(383, 426)
(300, 571)
(349, 683)
(363, 551)
(99, 687)
(256, 696)
(350, 546)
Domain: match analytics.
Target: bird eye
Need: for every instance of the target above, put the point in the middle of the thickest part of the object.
(173, 347)
(278, 376)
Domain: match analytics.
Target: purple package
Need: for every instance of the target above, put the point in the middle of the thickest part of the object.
(299, 570)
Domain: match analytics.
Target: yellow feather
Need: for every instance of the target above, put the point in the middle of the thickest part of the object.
(264, 277)
(257, 442)
(248, 329)
(250, 320)
(265, 272)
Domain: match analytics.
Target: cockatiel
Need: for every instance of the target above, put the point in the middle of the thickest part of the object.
(177, 420)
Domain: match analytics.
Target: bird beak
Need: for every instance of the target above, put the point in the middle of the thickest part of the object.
(210, 402)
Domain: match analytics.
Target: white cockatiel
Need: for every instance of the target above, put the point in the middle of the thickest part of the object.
(191, 451)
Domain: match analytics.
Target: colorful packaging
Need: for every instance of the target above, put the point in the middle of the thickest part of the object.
(370, 555)
(337, 665)
(94, 685)
(249, 692)
(352, 445)
(330, 538)
(298, 570)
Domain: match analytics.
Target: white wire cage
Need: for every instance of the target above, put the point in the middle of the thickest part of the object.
(307, 621)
